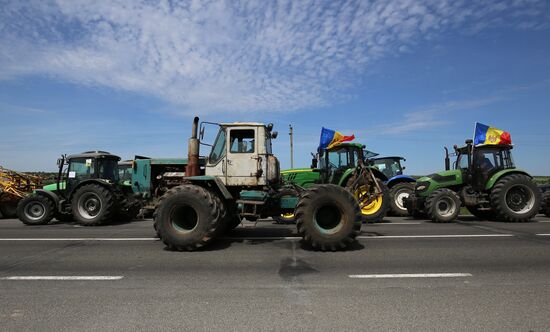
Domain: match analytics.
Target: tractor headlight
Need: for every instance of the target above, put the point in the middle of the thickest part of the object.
(422, 186)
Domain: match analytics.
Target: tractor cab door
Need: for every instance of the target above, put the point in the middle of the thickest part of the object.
(80, 169)
(485, 164)
(339, 160)
(243, 163)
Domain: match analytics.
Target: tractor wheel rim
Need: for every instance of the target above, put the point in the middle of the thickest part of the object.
(372, 206)
(520, 199)
(89, 205)
(35, 211)
(399, 196)
(288, 215)
(184, 219)
(328, 219)
(446, 207)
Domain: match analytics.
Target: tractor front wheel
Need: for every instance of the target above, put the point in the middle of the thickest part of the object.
(92, 205)
(397, 194)
(515, 198)
(443, 205)
(187, 217)
(328, 217)
(374, 203)
(35, 210)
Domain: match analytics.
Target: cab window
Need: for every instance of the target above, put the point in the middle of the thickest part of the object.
(242, 141)
(218, 149)
(81, 168)
(339, 158)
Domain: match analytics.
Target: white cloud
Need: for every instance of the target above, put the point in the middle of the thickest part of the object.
(220, 56)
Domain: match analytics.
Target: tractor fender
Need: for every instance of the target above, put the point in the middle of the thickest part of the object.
(211, 181)
(498, 175)
(105, 183)
(400, 179)
(50, 194)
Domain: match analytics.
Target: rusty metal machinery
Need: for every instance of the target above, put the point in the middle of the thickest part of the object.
(13, 187)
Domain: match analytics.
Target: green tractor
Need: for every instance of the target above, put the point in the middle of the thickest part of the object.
(338, 166)
(88, 190)
(240, 178)
(484, 180)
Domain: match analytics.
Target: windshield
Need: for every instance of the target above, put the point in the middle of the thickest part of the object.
(125, 172)
(218, 149)
(339, 159)
(389, 167)
(489, 160)
(461, 161)
(82, 168)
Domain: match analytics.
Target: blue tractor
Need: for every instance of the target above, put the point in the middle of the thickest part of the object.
(400, 186)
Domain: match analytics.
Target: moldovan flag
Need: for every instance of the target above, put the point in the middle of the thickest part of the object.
(491, 135)
(331, 138)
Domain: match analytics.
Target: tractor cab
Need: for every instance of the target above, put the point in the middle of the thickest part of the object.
(89, 165)
(389, 166)
(478, 164)
(240, 156)
(334, 162)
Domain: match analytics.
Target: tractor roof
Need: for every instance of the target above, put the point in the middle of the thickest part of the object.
(347, 144)
(390, 157)
(490, 146)
(243, 124)
(94, 154)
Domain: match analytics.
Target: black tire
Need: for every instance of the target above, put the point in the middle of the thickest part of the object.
(328, 217)
(443, 206)
(515, 198)
(8, 209)
(482, 214)
(35, 210)
(545, 204)
(397, 193)
(187, 217)
(92, 205)
(376, 210)
(223, 216)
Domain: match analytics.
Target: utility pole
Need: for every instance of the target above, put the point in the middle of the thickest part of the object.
(291, 133)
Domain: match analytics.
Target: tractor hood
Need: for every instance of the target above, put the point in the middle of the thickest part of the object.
(53, 186)
(427, 184)
(303, 177)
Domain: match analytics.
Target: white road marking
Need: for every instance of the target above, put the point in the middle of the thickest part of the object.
(267, 238)
(434, 236)
(84, 239)
(410, 275)
(86, 278)
(543, 234)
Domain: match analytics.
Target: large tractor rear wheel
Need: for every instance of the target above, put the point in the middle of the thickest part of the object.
(92, 205)
(328, 217)
(397, 194)
(35, 210)
(187, 217)
(515, 198)
(443, 205)
(545, 205)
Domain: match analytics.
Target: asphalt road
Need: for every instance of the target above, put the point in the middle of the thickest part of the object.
(403, 274)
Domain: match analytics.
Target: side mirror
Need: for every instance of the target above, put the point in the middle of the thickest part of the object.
(274, 135)
(201, 135)
(314, 163)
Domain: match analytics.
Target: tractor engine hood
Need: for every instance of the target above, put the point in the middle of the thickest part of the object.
(429, 183)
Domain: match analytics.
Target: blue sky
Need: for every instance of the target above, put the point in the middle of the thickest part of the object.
(406, 77)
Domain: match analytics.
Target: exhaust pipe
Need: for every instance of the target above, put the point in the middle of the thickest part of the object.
(447, 160)
(192, 168)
